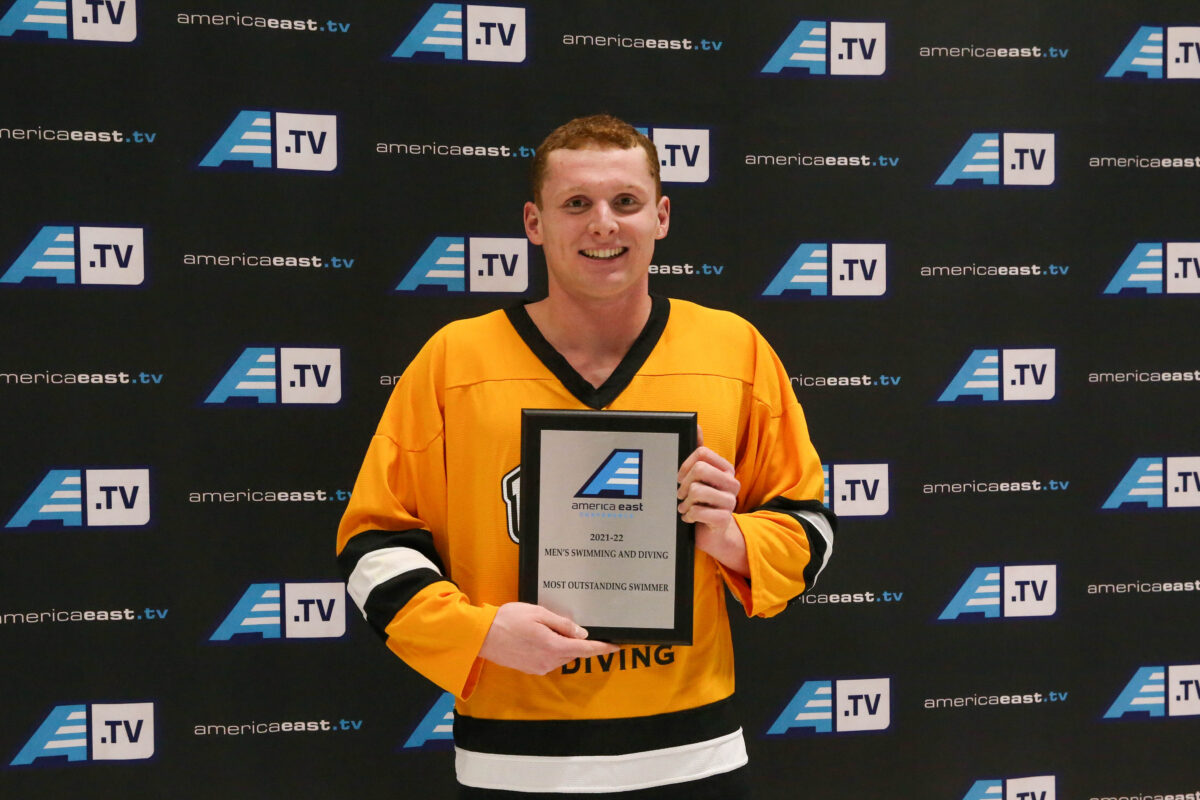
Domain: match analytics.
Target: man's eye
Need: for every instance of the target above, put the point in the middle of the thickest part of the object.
(575, 202)
(627, 201)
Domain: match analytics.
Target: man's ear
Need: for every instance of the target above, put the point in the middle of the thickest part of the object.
(533, 223)
(664, 217)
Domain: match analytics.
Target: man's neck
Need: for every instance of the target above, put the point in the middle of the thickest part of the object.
(592, 335)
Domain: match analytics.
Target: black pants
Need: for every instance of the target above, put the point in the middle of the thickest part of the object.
(733, 785)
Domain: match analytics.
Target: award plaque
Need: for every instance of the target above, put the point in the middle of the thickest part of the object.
(602, 541)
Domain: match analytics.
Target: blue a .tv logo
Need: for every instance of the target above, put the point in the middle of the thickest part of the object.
(683, 153)
(277, 140)
(1155, 483)
(75, 20)
(96, 732)
(287, 610)
(1158, 691)
(1006, 591)
(1157, 53)
(1002, 159)
(1158, 267)
(474, 264)
(820, 47)
(81, 255)
(1009, 375)
(857, 490)
(450, 31)
(832, 269)
(87, 498)
(289, 375)
(1038, 787)
(436, 726)
(841, 706)
(619, 476)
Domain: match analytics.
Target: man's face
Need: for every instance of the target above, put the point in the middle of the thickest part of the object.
(598, 221)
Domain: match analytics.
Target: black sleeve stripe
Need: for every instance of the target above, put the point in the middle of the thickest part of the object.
(370, 541)
(819, 526)
(820, 546)
(788, 506)
(392, 595)
(385, 569)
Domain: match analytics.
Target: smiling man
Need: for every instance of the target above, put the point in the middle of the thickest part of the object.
(429, 540)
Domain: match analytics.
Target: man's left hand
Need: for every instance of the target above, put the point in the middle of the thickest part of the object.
(707, 493)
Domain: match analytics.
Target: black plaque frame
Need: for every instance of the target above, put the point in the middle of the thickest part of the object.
(533, 423)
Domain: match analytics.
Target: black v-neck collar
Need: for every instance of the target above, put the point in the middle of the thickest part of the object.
(584, 392)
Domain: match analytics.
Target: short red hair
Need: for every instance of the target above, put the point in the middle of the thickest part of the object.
(603, 130)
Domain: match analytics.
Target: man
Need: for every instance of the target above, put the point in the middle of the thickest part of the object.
(428, 542)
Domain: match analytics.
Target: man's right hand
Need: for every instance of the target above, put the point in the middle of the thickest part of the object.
(535, 640)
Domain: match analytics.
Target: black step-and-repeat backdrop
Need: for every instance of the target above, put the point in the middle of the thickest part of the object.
(969, 229)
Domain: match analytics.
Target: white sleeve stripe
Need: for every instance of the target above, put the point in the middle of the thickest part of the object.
(824, 530)
(380, 566)
(585, 774)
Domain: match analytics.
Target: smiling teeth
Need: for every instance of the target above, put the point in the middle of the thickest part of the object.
(609, 252)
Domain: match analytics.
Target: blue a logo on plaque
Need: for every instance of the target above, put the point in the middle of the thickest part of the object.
(619, 476)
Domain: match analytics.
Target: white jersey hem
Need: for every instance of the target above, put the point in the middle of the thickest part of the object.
(593, 774)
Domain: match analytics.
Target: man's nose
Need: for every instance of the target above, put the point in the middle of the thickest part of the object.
(603, 221)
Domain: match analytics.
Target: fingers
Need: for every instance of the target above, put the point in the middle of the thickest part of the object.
(708, 474)
(705, 503)
(535, 640)
(587, 649)
(709, 485)
(570, 643)
(708, 488)
(560, 624)
(702, 455)
(560, 657)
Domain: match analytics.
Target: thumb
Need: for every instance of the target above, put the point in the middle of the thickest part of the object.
(561, 625)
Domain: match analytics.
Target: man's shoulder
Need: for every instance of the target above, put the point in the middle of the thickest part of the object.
(471, 350)
(474, 327)
(714, 321)
(467, 339)
(721, 343)
(470, 333)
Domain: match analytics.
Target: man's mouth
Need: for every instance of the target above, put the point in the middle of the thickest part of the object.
(604, 252)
